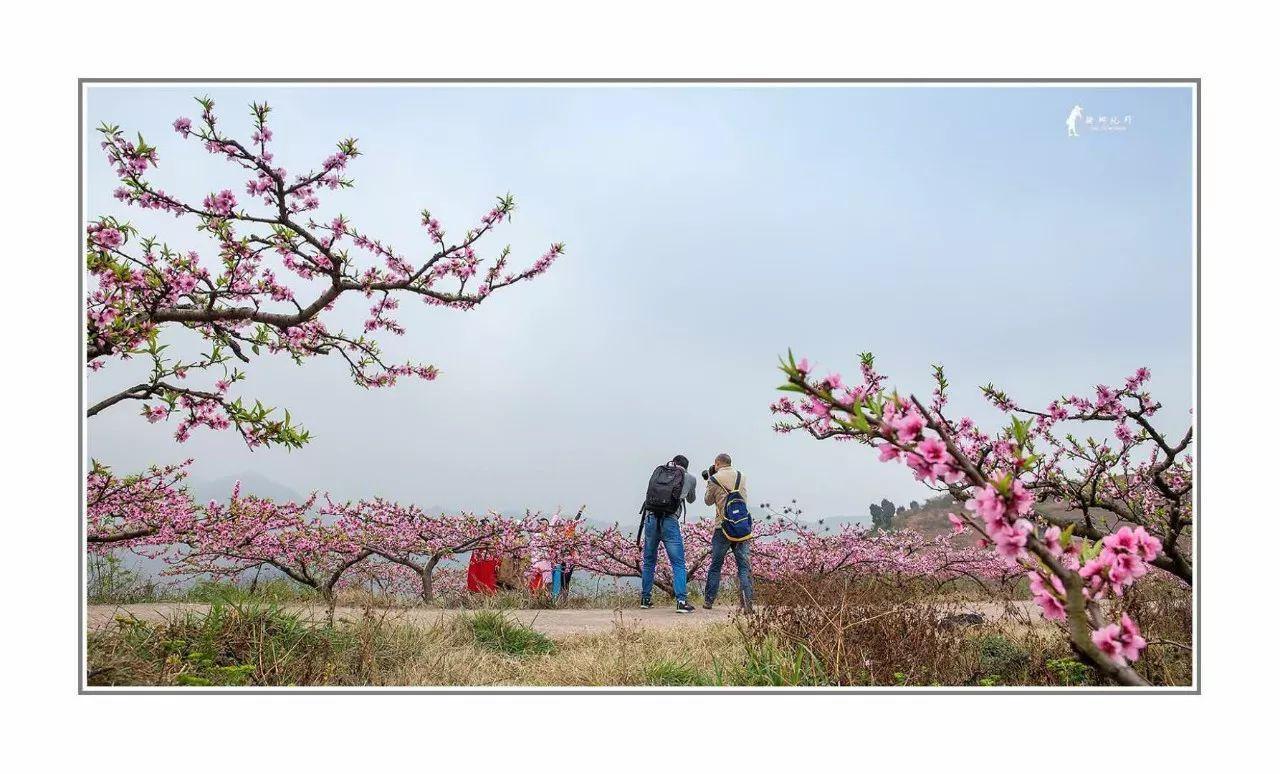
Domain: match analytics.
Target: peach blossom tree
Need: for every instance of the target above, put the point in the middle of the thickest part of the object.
(277, 271)
(1076, 569)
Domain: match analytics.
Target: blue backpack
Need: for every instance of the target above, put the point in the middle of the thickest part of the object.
(737, 517)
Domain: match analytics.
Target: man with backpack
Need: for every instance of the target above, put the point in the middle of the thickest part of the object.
(670, 487)
(727, 491)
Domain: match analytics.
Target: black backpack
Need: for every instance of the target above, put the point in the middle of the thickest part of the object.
(666, 486)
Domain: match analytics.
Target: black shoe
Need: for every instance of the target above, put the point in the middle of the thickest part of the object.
(706, 605)
(684, 607)
(645, 604)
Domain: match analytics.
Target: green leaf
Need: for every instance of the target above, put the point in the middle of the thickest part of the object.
(860, 421)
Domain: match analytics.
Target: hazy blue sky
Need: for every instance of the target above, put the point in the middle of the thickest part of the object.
(708, 230)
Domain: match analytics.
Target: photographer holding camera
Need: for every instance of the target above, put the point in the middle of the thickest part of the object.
(727, 487)
(670, 487)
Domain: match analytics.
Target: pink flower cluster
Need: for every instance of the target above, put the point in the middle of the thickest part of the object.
(1122, 561)
(145, 512)
(901, 438)
(220, 204)
(1121, 642)
(1049, 595)
(105, 237)
(201, 412)
(1004, 519)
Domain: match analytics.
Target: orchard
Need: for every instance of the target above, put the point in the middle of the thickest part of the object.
(1080, 519)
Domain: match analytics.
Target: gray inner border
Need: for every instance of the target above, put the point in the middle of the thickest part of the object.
(82, 629)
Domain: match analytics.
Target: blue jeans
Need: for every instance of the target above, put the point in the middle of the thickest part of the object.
(671, 538)
(720, 545)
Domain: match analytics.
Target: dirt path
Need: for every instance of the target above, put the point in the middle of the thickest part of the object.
(553, 623)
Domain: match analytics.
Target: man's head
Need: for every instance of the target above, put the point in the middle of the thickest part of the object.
(723, 460)
(681, 460)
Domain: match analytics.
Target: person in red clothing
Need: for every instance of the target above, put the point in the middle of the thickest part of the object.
(482, 571)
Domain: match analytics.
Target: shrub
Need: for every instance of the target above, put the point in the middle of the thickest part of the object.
(1000, 661)
(769, 662)
(272, 591)
(494, 630)
(251, 644)
(861, 630)
(878, 630)
(110, 582)
(1071, 672)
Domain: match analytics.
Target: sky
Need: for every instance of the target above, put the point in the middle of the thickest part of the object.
(708, 229)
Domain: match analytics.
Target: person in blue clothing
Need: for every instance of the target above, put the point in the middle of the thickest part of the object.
(670, 487)
(722, 479)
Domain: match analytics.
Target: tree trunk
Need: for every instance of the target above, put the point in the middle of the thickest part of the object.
(427, 590)
(118, 537)
(329, 590)
(331, 601)
(1079, 630)
(427, 573)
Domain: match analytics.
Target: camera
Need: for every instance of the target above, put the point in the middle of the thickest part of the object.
(708, 473)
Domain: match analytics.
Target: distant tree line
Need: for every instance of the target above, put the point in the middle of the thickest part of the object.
(882, 514)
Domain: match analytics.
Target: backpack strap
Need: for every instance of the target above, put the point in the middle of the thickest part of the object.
(737, 482)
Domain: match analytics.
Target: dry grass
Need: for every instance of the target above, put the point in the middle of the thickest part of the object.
(626, 656)
(864, 631)
(831, 631)
(1161, 606)
(265, 645)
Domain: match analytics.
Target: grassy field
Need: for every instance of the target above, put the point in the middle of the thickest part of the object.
(846, 631)
(262, 644)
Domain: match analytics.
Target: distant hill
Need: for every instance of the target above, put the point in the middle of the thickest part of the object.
(204, 490)
(930, 517)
